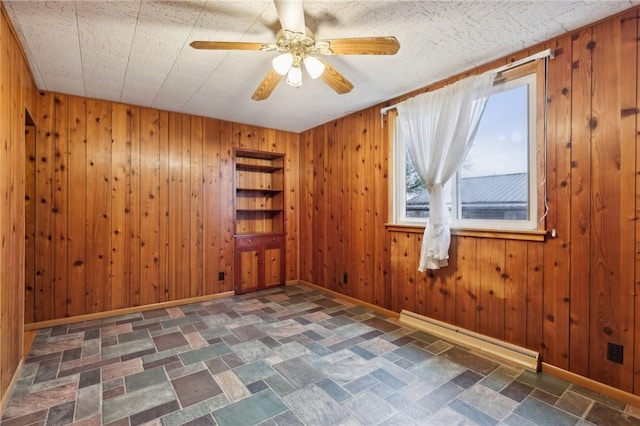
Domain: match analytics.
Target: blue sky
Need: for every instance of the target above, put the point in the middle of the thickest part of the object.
(500, 146)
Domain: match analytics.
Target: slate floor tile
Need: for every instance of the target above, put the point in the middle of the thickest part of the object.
(602, 415)
(205, 353)
(369, 408)
(285, 356)
(232, 386)
(538, 412)
(332, 389)
(360, 384)
(470, 360)
(324, 410)
(298, 372)
(279, 384)
(130, 403)
(61, 414)
(545, 382)
(153, 413)
(196, 387)
(517, 390)
(403, 405)
(258, 386)
(605, 400)
(466, 379)
(471, 413)
(573, 403)
(412, 353)
(145, 378)
(250, 411)
(254, 371)
(489, 401)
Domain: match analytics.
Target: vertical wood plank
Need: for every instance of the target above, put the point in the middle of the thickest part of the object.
(163, 208)
(382, 189)
(134, 205)
(580, 216)
(149, 205)
(319, 205)
(369, 225)
(466, 283)
(307, 213)
(98, 216)
(60, 208)
(119, 194)
(185, 205)
(407, 271)
(210, 205)
(44, 307)
(613, 215)
(174, 234)
(293, 204)
(30, 224)
(515, 313)
(491, 287)
(449, 280)
(535, 288)
(226, 214)
(77, 172)
(356, 247)
(196, 259)
(636, 378)
(555, 288)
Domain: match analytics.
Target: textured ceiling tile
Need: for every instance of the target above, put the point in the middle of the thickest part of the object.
(590, 11)
(139, 92)
(51, 36)
(138, 51)
(105, 54)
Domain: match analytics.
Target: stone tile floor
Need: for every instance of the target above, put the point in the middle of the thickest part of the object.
(289, 356)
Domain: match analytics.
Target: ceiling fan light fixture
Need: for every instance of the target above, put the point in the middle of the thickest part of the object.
(294, 76)
(314, 66)
(282, 63)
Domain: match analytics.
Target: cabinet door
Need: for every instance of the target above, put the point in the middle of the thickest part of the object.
(273, 266)
(247, 274)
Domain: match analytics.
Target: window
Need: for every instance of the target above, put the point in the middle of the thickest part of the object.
(497, 185)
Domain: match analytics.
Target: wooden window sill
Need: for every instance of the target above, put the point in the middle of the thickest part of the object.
(505, 234)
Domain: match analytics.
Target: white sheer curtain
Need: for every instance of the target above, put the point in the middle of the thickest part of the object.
(438, 129)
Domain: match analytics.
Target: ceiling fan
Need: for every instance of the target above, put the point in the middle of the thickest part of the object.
(299, 46)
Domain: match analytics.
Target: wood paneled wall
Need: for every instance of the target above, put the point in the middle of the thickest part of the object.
(566, 297)
(16, 96)
(133, 206)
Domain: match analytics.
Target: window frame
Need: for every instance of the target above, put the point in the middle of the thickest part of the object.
(534, 73)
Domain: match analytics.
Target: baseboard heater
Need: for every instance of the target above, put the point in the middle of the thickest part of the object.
(515, 354)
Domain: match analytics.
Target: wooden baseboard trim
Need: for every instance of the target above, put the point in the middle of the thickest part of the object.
(593, 385)
(350, 299)
(9, 390)
(124, 311)
(29, 337)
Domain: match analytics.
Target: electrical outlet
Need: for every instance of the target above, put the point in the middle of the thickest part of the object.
(345, 278)
(221, 276)
(615, 352)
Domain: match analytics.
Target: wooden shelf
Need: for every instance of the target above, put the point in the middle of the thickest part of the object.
(258, 210)
(257, 168)
(263, 190)
(260, 155)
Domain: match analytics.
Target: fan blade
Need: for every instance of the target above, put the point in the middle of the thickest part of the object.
(291, 15)
(335, 80)
(229, 45)
(364, 46)
(266, 86)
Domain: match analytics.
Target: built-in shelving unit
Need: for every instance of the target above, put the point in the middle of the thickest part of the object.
(259, 220)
